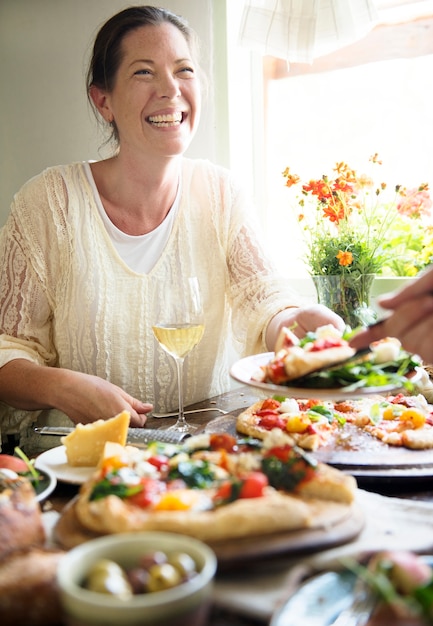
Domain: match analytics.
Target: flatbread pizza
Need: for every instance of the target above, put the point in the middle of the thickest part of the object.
(214, 487)
(396, 420)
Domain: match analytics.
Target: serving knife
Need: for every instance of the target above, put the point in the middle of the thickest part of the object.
(138, 437)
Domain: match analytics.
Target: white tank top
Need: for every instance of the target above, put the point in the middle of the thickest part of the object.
(139, 252)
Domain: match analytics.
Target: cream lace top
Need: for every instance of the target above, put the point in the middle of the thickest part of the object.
(67, 299)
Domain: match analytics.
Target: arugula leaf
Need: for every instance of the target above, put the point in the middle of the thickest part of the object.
(196, 474)
(106, 487)
(321, 410)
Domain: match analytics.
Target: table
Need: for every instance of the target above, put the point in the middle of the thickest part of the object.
(233, 402)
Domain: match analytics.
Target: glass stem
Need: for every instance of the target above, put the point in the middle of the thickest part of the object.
(181, 421)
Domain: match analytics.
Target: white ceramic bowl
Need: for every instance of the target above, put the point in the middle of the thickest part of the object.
(185, 605)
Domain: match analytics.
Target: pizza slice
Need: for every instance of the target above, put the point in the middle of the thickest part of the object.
(214, 487)
(324, 359)
(295, 358)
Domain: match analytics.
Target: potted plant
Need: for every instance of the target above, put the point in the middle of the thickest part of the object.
(355, 230)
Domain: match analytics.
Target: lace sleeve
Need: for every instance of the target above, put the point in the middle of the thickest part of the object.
(257, 290)
(25, 313)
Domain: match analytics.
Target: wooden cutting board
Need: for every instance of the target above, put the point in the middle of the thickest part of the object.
(334, 525)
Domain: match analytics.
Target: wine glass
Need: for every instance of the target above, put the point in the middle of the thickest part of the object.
(178, 330)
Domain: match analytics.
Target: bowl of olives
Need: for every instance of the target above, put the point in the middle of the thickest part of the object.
(145, 579)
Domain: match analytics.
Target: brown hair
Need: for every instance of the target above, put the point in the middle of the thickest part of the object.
(107, 48)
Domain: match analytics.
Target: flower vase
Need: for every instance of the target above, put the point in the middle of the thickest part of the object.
(347, 295)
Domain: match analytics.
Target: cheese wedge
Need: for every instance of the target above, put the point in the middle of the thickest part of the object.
(85, 444)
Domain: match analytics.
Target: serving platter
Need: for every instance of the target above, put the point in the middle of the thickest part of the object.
(245, 370)
(356, 453)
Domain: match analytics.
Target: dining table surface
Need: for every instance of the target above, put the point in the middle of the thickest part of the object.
(217, 412)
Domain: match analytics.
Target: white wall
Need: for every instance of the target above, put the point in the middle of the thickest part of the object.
(44, 115)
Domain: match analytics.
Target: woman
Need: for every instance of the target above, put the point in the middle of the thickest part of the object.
(89, 248)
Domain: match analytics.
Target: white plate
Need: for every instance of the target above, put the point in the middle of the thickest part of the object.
(46, 485)
(244, 370)
(320, 600)
(55, 461)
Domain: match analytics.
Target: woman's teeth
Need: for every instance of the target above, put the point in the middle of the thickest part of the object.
(165, 120)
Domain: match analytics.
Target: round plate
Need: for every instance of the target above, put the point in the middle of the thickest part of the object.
(320, 600)
(55, 460)
(46, 485)
(244, 370)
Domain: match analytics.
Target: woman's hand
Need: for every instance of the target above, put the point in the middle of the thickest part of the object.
(301, 320)
(86, 398)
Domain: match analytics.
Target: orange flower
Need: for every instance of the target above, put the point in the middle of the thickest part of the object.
(334, 213)
(345, 258)
(358, 226)
(292, 179)
(319, 188)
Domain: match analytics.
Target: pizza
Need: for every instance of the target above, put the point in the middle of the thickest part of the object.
(396, 420)
(324, 359)
(213, 487)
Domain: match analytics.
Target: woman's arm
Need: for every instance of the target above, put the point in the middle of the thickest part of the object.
(82, 397)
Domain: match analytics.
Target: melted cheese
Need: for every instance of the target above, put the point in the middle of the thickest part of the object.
(85, 445)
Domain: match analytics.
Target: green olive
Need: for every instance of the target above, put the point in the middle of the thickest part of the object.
(184, 563)
(108, 577)
(163, 576)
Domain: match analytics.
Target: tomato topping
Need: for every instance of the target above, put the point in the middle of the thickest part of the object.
(222, 441)
(271, 421)
(159, 461)
(283, 453)
(304, 405)
(270, 403)
(262, 412)
(253, 485)
(324, 344)
(276, 372)
(224, 492)
(151, 488)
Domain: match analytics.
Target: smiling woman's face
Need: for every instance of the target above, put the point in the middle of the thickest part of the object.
(156, 98)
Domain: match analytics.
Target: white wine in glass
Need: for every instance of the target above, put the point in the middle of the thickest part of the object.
(179, 329)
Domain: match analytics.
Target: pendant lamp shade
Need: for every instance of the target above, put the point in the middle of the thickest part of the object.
(301, 30)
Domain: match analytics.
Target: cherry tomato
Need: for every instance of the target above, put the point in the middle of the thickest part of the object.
(160, 461)
(270, 403)
(283, 453)
(222, 441)
(324, 344)
(271, 421)
(304, 405)
(253, 485)
(223, 492)
(277, 372)
(151, 489)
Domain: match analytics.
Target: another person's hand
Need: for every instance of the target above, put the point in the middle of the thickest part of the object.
(411, 320)
(85, 398)
(301, 320)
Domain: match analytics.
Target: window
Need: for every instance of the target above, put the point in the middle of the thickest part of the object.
(373, 96)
